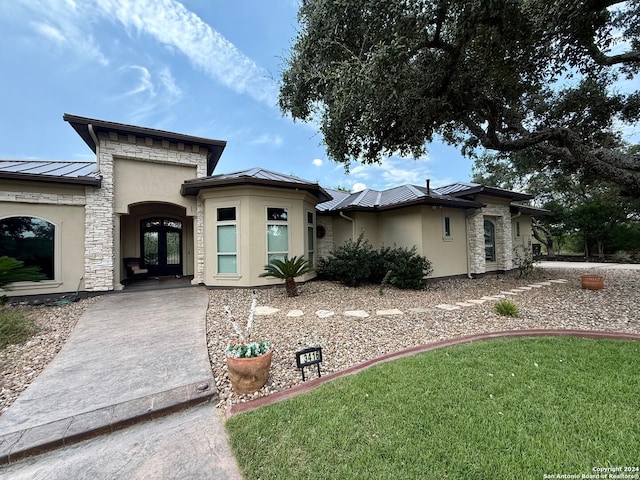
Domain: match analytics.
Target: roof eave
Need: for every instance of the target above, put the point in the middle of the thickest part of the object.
(86, 181)
(81, 126)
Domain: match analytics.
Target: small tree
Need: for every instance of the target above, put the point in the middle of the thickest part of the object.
(287, 270)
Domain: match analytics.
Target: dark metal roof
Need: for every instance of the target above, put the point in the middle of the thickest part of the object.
(78, 173)
(84, 126)
(462, 189)
(397, 197)
(254, 176)
(527, 210)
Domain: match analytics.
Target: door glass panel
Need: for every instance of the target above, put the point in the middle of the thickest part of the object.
(173, 248)
(489, 242)
(150, 248)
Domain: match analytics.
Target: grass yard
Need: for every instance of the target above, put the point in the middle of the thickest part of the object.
(499, 409)
(15, 327)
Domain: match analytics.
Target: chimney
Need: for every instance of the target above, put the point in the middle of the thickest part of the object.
(428, 186)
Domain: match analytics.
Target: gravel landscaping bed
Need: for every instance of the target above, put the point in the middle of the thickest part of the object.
(21, 364)
(347, 341)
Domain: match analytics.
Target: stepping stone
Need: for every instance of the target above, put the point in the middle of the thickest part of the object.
(499, 296)
(477, 302)
(525, 288)
(262, 310)
(393, 311)
(492, 298)
(420, 310)
(446, 306)
(508, 293)
(325, 313)
(559, 280)
(519, 290)
(356, 313)
(295, 313)
(535, 285)
(545, 283)
(464, 304)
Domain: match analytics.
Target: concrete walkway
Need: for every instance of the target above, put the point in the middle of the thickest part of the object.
(587, 265)
(131, 357)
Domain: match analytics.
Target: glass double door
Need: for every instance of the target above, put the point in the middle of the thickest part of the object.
(161, 246)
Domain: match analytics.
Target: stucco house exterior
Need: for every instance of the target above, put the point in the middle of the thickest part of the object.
(151, 202)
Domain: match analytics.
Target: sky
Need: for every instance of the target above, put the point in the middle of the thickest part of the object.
(204, 68)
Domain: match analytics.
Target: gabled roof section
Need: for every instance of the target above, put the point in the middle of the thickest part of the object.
(85, 126)
(528, 210)
(397, 197)
(254, 176)
(464, 189)
(76, 173)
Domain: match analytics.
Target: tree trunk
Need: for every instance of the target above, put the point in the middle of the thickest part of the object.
(547, 240)
(291, 287)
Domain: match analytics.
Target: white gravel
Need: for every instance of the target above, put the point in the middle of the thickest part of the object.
(347, 340)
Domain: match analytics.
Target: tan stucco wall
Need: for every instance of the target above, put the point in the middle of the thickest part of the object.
(62, 206)
(251, 209)
(448, 255)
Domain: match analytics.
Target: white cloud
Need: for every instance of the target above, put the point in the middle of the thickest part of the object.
(49, 31)
(169, 22)
(317, 162)
(358, 187)
(266, 139)
(394, 171)
(144, 83)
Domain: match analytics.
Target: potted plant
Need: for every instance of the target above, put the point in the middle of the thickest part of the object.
(287, 270)
(248, 361)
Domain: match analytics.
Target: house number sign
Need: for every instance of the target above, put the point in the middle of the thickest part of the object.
(307, 357)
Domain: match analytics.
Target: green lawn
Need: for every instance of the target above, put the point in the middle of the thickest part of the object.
(499, 409)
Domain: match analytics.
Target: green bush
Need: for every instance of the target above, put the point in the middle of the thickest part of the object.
(15, 327)
(506, 307)
(355, 263)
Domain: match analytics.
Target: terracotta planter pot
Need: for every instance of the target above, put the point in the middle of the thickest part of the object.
(592, 282)
(248, 375)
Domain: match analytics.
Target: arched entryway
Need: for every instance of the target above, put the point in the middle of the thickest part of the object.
(161, 245)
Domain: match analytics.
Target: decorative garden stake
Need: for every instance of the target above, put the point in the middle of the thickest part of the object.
(309, 356)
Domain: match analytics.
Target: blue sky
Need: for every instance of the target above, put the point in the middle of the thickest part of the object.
(205, 68)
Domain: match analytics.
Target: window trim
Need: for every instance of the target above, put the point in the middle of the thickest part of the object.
(270, 222)
(311, 238)
(224, 223)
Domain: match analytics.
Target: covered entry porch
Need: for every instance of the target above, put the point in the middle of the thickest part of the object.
(158, 239)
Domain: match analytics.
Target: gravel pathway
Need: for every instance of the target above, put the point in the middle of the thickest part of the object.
(348, 340)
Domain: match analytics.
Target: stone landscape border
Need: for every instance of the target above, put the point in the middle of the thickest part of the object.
(315, 383)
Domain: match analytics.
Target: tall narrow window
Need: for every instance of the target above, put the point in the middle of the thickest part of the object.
(489, 241)
(277, 234)
(517, 229)
(447, 227)
(30, 240)
(227, 234)
(310, 238)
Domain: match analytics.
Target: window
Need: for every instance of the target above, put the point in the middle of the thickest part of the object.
(310, 238)
(31, 240)
(277, 234)
(447, 227)
(517, 229)
(489, 241)
(226, 237)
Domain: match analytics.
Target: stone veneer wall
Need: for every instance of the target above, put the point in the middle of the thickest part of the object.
(43, 198)
(501, 216)
(99, 208)
(325, 244)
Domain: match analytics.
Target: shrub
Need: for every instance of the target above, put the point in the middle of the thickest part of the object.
(506, 307)
(408, 269)
(355, 263)
(523, 259)
(15, 327)
(352, 263)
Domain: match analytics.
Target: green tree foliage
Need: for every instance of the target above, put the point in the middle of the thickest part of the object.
(546, 78)
(287, 270)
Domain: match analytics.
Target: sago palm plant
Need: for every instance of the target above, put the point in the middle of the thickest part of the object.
(287, 270)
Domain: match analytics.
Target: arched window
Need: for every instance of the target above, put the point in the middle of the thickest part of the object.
(31, 240)
(489, 241)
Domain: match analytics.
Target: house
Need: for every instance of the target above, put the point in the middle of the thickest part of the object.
(151, 204)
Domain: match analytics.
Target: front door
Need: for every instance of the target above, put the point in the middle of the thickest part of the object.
(161, 246)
